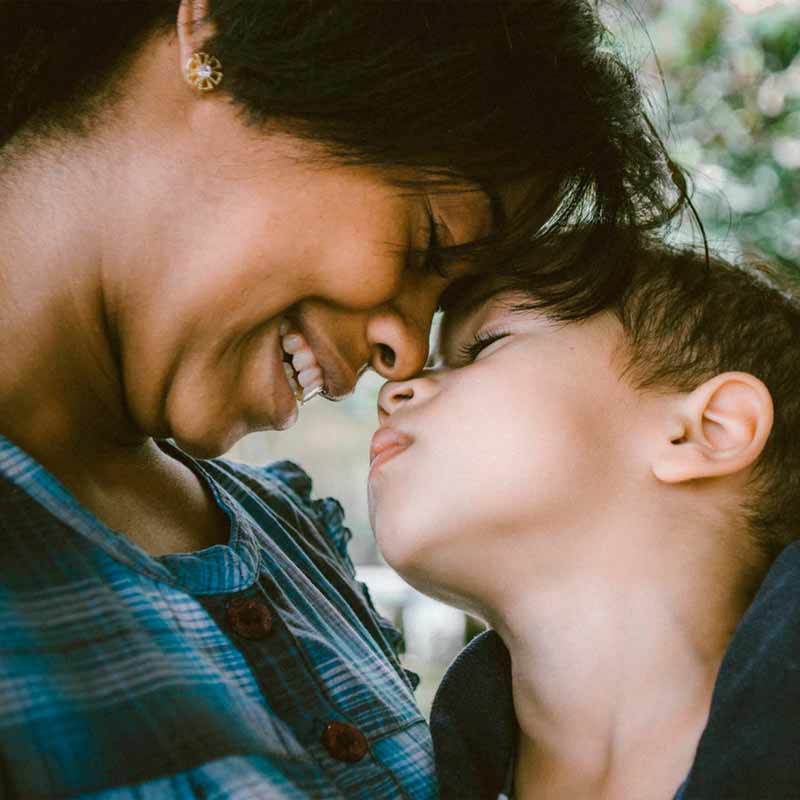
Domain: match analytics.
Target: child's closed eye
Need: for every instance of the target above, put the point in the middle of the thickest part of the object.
(470, 350)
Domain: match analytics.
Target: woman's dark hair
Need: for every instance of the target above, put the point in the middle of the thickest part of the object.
(490, 93)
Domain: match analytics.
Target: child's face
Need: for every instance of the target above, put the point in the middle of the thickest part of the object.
(530, 437)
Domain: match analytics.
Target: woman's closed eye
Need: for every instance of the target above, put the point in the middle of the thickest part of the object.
(433, 261)
(470, 350)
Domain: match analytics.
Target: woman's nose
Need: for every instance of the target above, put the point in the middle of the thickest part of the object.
(398, 333)
(398, 345)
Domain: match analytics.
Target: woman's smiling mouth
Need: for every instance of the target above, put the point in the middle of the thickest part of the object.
(317, 361)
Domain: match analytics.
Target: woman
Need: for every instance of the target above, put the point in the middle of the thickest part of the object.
(205, 210)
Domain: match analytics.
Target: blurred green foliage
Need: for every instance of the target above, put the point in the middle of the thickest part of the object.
(732, 120)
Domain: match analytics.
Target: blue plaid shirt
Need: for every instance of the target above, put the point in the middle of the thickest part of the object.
(258, 669)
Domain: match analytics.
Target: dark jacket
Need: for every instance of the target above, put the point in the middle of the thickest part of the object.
(749, 750)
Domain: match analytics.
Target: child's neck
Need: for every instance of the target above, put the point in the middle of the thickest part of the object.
(613, 670)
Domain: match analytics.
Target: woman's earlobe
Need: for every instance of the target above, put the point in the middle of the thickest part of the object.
(722, 428)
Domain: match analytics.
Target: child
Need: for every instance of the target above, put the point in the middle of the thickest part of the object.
(616, 496)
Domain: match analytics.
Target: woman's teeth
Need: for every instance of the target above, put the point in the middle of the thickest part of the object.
(287, 368)
(303, 372)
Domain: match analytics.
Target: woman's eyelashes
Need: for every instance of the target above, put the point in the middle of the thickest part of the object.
(470, 350)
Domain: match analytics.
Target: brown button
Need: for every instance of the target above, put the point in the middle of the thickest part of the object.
(344, 742)
(249, 618)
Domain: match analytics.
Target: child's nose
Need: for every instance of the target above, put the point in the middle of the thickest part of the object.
(395, 395)
(392, 396)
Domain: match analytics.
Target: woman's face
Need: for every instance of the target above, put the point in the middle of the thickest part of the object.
(244, 231)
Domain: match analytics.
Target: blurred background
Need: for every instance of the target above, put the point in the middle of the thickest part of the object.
(724, 81)
(731, 111)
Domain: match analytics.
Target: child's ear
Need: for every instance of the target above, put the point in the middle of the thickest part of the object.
(718, 429)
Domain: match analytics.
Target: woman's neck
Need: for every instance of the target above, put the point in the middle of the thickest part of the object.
(60, 388)
(69, 266)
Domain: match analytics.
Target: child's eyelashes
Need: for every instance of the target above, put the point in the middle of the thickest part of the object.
(469, 351)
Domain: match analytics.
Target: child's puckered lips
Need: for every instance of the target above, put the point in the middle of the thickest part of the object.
(386, 443)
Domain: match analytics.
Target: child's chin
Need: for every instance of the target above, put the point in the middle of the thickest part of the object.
(400, 558)
(413, 558)
(402, 552)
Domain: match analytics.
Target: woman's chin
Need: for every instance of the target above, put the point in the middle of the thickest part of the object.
(201, 449)
(209, 444)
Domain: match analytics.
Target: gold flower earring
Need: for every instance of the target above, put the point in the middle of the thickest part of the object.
(203, 71)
